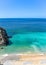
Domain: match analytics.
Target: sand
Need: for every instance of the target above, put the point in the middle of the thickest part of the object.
(24, 59)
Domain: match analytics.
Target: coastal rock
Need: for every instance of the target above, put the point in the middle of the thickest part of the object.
(3, 37)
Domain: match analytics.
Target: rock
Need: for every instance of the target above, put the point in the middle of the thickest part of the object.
(3, 37)
(2, 48)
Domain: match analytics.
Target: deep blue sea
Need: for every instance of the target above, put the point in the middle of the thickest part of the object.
(28, 35)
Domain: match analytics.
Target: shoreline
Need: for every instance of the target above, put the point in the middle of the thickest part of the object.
(21, 58)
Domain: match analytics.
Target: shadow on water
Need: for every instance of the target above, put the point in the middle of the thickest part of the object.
(10, 43)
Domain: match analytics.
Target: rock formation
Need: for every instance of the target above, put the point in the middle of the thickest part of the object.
(3, 37)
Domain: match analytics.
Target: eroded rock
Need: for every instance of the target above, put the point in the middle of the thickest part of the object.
(3, 37)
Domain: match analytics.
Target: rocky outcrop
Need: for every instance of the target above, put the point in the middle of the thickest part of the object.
(3, 37)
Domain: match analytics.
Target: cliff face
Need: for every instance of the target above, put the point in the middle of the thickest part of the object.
(3, 37)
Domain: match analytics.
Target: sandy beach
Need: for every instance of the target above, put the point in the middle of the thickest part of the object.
(24, 59)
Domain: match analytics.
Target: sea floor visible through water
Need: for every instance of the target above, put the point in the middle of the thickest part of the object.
(30, 42)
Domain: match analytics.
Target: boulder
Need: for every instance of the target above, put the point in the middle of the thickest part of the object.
(3, 37)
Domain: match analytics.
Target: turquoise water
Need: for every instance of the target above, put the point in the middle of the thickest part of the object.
(28, 35)
(33, 42)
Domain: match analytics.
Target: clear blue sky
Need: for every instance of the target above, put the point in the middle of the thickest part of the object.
(22, 8)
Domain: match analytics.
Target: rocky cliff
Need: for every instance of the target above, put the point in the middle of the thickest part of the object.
(3, 37)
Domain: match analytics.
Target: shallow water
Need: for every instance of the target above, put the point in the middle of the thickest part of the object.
(31, 42)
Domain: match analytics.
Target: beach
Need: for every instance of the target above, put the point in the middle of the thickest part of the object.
(24, 59)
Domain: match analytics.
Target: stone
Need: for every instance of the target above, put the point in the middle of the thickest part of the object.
(3, 37)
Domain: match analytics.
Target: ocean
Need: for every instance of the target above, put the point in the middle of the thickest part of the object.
(28, 35)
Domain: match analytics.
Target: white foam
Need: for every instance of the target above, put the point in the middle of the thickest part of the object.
(5, 55)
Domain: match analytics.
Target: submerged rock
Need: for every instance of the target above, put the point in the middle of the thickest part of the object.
(3, 37)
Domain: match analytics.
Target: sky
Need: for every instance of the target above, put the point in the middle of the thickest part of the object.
(22, 8)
